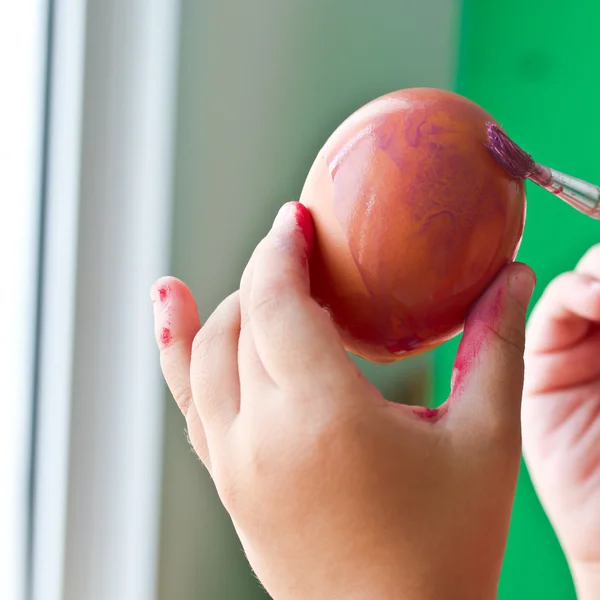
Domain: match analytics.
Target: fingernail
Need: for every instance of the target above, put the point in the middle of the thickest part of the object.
(283, 216)
(521, 285)
(293, 216)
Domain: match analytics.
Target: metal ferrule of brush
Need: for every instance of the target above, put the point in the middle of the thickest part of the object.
(581, 195)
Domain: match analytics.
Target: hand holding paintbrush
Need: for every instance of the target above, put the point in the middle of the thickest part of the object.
(581, 195)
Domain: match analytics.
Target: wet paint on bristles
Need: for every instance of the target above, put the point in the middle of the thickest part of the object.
(581, 195)
(514, 159)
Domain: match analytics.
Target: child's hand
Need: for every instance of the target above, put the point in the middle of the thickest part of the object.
(335, 492)
(561, 414)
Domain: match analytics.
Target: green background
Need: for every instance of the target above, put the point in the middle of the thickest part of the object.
(533, 65)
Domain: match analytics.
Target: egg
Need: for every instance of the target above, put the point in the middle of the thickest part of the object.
(413, 219)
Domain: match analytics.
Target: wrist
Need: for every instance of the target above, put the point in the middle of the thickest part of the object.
(381, 588)
(586, 577)
(437, 588)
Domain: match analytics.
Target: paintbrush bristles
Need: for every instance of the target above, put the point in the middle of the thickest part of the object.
(581, 195)
(514, 159)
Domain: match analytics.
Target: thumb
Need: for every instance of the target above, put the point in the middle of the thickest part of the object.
(487, 380)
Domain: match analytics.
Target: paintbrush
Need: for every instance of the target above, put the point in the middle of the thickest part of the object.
(581, 195)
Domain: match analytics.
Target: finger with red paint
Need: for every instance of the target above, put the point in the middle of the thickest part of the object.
(561, 414)
(487, 380)
(318, 470)
(176, 322)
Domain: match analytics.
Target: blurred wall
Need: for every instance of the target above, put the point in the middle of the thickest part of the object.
(262, 85)
(531, 64)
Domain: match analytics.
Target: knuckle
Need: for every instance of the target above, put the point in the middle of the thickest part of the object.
(561, 280)
(195, 434)
(248, 272)
(556, 296)
(264, 453)
(230, 490)
(509, 337)
(253, 471)
(268, 302)
(216, 328)
(300, 447)
(206, 339)
(199, 340)
(261, 460)
(567, 293)
(593, 301)
(333, 439)
(559, 283)
(183, 401)
(197, 446)
(503, 435)
(592, 256)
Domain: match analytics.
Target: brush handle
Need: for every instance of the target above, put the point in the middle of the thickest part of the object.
(581, 195)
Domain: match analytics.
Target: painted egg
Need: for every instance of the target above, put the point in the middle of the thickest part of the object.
(413, 219)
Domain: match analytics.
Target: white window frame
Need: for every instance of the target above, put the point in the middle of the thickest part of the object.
(23, 28)
(100, 397)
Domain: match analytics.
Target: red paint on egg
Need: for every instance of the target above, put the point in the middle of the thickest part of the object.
(413, 219)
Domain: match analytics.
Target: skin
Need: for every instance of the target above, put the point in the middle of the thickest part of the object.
(561, 409)
(317, 470)
(406, 196)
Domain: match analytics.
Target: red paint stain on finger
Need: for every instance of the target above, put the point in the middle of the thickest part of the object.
(165, 336)
(159, 295)
(427, 414)
(479, 327)
(305, 224)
